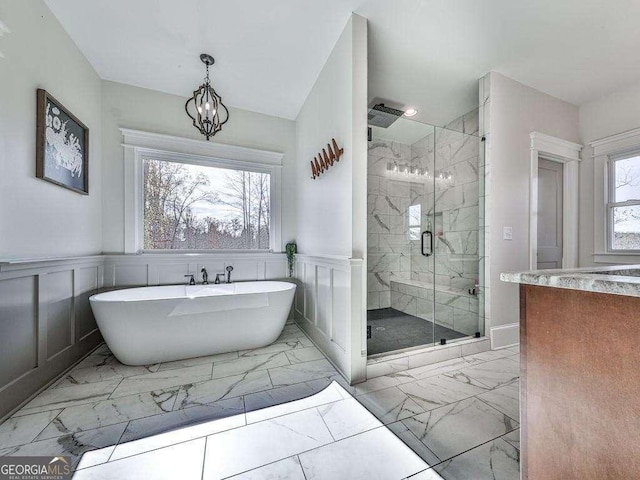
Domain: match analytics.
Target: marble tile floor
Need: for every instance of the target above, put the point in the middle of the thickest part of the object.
(394, 330)
(287, 414)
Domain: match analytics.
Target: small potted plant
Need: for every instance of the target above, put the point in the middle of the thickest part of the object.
(291, 249)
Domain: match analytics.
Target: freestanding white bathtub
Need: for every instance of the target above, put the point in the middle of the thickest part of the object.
(148, 325)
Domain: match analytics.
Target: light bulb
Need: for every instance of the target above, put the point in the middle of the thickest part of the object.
(199, 109)
(207, 106)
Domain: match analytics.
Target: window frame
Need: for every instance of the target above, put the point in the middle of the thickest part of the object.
(611, 200)
(416, 225)
(139, 145)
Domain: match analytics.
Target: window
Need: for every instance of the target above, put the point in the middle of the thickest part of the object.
(623, 207)
(204, 206)
(415, 212)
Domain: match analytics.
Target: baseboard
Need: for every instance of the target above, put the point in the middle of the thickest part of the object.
(388, 364)
(504, 336)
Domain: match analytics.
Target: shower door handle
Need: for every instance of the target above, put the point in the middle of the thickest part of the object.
(430, 252)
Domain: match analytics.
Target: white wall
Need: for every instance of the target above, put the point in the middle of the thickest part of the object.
(38, 218)
(331, 215)
(515, 111)
(609, 115)
(137, 108)
(332, 209)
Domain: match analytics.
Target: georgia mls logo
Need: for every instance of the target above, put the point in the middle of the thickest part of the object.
(34, 468)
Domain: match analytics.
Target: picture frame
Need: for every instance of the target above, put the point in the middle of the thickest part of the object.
(62, 145)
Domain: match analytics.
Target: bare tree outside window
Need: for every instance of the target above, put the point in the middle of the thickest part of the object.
(626, 204)
(198, 207)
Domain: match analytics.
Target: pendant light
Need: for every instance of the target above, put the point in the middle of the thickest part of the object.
(205, 108)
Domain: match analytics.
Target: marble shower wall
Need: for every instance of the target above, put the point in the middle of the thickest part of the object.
(453, 210)
(389, 198)
(392, 255)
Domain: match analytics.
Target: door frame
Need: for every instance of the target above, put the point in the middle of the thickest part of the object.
(567, 153)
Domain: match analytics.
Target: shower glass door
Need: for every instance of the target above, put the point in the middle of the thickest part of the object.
(423, 234)
(456, 225)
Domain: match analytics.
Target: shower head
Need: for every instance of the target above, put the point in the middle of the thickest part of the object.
(380, 115)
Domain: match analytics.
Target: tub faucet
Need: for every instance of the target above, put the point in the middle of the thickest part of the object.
(217, 280)
(192, 281)
(205, 276)
(229, 270)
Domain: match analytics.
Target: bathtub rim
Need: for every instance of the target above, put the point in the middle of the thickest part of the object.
(105, 297)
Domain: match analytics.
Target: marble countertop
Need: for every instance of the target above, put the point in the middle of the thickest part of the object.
(617, 280)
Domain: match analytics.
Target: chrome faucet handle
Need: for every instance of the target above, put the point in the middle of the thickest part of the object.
(192, 281)
(205, 276)
(229, 269)
(217, 280)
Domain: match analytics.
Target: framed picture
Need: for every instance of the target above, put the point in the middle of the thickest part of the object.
(62, 146)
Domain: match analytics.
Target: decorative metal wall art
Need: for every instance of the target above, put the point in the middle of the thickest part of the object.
(326, 159)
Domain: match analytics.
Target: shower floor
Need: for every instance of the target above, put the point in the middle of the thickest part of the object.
(394, 330)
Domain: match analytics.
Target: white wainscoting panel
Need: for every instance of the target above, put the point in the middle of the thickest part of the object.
(58, 293)
(331, 310)
(87, 280)
(18, 327)
(46, 324)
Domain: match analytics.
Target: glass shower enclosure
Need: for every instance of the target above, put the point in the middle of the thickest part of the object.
(424, 231)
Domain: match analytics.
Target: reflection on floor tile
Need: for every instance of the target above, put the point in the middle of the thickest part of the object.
(272, 411)
(257, 444)
(184, 434)
(376, 454)
(210, 391)
(410, 440)
(347, 418)
(166, 422)
(183, 461)
(513, 438)
(113, 371)
(70, 445)
(301, 372)
(495, 460)
(109, 412)
(506, 399)
(328, 395)
(453, 429)
(390, 404)
(16, 431)
(441, 390)
(494, 373)
(54, 398)
(287, 469)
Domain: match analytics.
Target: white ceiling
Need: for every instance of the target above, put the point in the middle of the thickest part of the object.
(427, 53)
(268, 54)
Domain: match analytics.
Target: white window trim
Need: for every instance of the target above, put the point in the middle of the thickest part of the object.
(611, 203)
(604, 150)
(139, 145)
(567, 153)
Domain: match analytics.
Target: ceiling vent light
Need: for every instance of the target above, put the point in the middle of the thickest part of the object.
(209, 114)
(410, 112)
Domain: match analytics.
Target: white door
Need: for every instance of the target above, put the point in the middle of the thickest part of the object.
(549, 214)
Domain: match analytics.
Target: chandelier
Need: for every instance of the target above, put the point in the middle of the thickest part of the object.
(209, 114)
